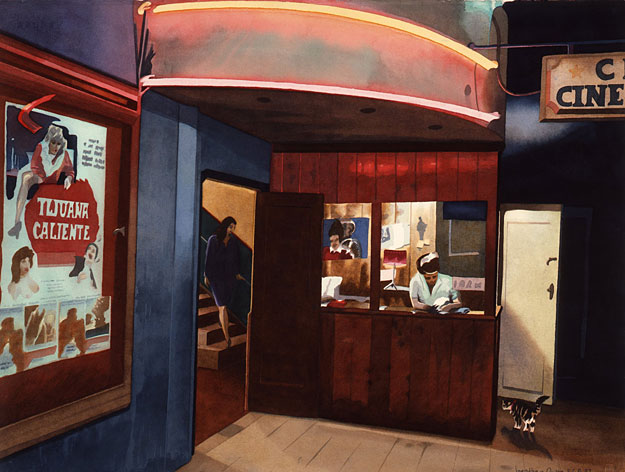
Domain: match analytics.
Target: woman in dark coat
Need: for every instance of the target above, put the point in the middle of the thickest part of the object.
(221, 269)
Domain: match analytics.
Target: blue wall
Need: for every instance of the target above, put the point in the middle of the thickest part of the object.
(579, 165)
(155, 433)
(97, 34)
(229, 151)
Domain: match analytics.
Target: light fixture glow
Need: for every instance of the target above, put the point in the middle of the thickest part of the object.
(341, 12)
(481, 117)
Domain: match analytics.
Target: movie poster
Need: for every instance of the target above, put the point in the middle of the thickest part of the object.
(52, 306)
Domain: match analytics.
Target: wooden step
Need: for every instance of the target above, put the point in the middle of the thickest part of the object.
(212, 333)
(207, 316)
(204, 300)
(219, 354)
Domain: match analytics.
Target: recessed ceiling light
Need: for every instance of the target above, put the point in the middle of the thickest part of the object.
(264, 99)
(435, 127)
(367, 110)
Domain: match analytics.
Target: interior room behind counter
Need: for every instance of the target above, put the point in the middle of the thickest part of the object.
(410, 233)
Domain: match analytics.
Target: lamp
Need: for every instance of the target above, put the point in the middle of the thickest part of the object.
(396, 258)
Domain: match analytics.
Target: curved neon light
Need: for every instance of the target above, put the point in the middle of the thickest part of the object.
(358, 15)
(449, 108)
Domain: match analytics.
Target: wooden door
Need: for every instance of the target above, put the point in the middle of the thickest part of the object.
(284, 324)
(531, 245)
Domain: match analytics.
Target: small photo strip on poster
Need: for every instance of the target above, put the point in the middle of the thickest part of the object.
(72, 341)
(12, 356)
(41, 327)
(98, 323)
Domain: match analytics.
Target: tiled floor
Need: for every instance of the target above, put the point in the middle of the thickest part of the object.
(261, 442)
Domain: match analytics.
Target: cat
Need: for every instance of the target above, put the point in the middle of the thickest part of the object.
(523, 411)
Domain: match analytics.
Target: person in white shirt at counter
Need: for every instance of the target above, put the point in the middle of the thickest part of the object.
(430, 290)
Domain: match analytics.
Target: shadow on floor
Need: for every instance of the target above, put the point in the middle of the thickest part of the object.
(524, 440)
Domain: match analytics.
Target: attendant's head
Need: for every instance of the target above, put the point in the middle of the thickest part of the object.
(226, 228)
(55, 140)
(336, 234)
(428, 265)
(21, 263)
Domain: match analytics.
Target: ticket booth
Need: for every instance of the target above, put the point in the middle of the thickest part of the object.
(385, 140)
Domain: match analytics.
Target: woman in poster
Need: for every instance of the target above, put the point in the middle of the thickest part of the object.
(222, 269)
(83, 267)
(22, 284)
(49, 161)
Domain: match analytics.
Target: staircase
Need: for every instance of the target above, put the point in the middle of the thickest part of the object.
(212, 351)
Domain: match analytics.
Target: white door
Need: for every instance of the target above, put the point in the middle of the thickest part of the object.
(531, 246)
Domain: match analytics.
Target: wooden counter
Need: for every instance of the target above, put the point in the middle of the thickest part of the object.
(432, 373)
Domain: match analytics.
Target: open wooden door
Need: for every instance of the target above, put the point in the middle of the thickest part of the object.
(284, 324)
(531, 249)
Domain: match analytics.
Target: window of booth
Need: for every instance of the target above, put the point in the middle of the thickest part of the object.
(346, 254)
(432, 256)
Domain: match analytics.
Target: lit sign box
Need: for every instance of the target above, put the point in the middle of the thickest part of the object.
(583, 87)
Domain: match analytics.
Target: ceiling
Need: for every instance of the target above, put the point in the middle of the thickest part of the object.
(292, 120)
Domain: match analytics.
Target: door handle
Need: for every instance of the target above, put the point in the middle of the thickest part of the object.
(121, 231)
(551, 289)
(551, 259)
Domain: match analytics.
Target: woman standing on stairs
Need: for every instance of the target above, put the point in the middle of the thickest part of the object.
(221, 270)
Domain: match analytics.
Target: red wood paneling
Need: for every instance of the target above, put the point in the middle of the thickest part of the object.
(487, 190)
(365, 185)
(460, 375)
(290, 172)
(275, 177)
(439, 370)
(352, 352)
(309, 173)
(347, 178)
(406, 177)
(326, 364)
(328, 176)
(399, 381)
(381, 334)
(386, 173)
(487, 176)
(467, 176)
(436, 374)
(482, 378)
(426, 176)
(446, 176)
(418, 402)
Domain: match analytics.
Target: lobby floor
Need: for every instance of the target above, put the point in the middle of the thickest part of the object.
(569, 437)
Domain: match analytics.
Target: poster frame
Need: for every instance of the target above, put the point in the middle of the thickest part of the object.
(78, 91)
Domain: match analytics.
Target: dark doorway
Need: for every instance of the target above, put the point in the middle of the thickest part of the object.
(221, 366)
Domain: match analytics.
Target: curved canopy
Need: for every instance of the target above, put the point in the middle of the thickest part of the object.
(322, 49)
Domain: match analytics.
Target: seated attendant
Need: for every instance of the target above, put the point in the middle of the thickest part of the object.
(431, 290)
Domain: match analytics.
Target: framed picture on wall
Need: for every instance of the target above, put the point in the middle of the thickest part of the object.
(67, 235)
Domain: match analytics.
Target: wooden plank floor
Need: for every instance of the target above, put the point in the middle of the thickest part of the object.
(269, 443)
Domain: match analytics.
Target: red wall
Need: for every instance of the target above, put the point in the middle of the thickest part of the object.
(396, 177)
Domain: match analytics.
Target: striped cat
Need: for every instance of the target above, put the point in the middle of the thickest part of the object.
(523, 411)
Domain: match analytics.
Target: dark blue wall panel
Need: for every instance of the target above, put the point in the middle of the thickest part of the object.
(227, 150)
(183, 321)
(97, 34)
